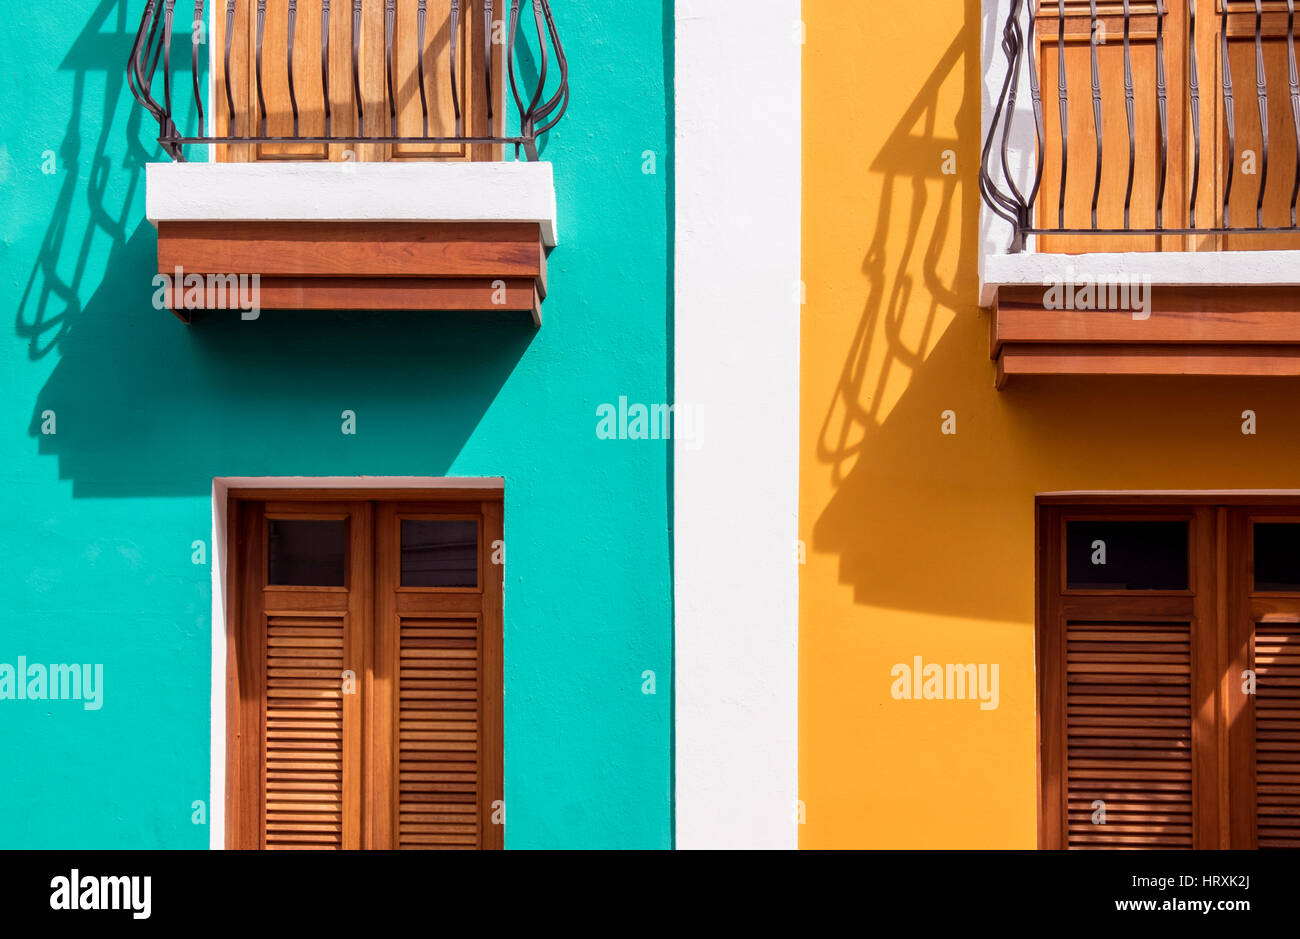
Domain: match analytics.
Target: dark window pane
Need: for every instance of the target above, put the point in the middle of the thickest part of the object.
(1104, 555)
(1277, 556)
(439, 554)
(306, 553)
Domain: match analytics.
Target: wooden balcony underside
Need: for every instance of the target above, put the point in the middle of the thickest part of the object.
(1184, 331)
(470, 266)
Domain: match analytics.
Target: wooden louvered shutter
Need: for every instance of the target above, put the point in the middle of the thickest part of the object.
(364, 675)
(1127, 697)
(305, 754)
(297, 754)
(438, 663)
(1129, 734)
(1264, 727)
(1276, 753)
(1179, 709)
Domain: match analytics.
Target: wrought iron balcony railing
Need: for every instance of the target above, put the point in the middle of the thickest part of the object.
(285, 75)
(1150, 133)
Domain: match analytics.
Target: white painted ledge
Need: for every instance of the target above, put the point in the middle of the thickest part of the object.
(1170, 268)
(352, 192)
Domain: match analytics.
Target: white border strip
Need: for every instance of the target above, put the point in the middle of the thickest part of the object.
(221, 487)
(736, 480)
(1182, 268)
(353, 192)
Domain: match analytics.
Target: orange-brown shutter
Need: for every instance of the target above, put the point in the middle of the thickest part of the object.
(1277, 734)
(437, 699)
(1127, 696)
(1082, 141)
(293, 716)
(371, 75)
(1247, 152)
(305, 752)
(1129, 718)
(364, 714)
(437, 732)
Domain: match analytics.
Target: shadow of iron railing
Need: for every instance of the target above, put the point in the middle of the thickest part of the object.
(900, 324)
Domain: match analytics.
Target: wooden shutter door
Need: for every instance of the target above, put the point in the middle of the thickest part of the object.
(1127, 704)
(1129, 733)
(1246, 58)
(1264, 727)
(1276, 653)
(406, 116)
(295, 754)
(437, 716)
(1081, 170)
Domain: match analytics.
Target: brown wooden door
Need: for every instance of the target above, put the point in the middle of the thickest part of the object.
(364, 674)
(1180, 157)
(437, 677)
(1169, 677)
(403, 114)
(294, 743)
(1127, 685)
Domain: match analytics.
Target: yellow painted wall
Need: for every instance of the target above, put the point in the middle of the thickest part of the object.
(919, 543)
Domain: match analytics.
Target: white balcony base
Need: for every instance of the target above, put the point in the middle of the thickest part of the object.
(1158, 268)
(344, 192)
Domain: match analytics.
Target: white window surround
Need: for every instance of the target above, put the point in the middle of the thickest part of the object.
(221, 487)
(998, 268)
(513, 191)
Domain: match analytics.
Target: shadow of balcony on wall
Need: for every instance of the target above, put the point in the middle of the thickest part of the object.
(911, 343)
(924, 522)
(143, 406)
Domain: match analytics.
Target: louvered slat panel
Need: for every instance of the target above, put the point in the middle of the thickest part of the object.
(1129, 734)
(1277, 734)
(304, 732)
(438, 729)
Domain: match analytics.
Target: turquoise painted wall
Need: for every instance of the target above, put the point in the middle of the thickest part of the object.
(95, 556)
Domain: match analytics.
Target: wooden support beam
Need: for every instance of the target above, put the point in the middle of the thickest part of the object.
(487, 266)
(1078, 359)
(1176, 331)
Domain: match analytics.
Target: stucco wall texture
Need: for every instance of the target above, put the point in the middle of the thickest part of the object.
(920, 543)
(100, 517)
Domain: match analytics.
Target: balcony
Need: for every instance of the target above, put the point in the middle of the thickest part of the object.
(1140, 174)
(365, 154)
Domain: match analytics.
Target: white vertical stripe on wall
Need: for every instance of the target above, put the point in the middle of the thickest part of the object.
(738, 203)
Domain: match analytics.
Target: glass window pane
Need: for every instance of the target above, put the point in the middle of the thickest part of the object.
(439, 554)
(1107, 555)
(306, 552)
(1277, 556)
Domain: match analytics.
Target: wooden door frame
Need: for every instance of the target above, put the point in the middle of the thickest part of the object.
(229, 819)
(1223, 774)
